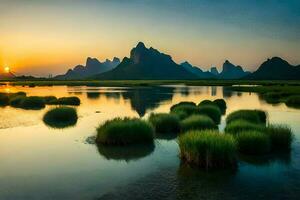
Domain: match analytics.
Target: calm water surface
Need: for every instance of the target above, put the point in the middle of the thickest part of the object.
(38, 162)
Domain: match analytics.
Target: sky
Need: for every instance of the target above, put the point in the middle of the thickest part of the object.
(41, 37)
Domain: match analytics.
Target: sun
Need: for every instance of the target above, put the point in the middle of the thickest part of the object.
(6, 69)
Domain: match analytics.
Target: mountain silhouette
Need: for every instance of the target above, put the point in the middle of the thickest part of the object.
(93, 66)
(276, 69)
(230, 71)
(214, 71)
(147, 63)
(197, 71)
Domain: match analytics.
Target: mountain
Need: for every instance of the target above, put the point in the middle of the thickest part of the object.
(147, 63)
(276, 69)
(214, 71)
(230, 71)
(197, 71)
(93, 66)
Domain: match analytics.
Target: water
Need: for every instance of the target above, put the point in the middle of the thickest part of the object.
(38, 162)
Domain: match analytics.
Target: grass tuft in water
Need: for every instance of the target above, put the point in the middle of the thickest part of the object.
(198, 122)
(253, 116)
(208, 149)
(221, 103)
(165, 123)
(73, 101)
(32, 103)
(49, 99)
(184, 109)
(61, 117)
(122, 131)
(211, 111)
(293, 101)
(281, 137)
(4, 100)
(241, 125)
(253, 142)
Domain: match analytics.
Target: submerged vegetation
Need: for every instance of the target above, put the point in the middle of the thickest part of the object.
(122, 131)
(208, 149)
(165, 123)
(197, 122)
(61, 117)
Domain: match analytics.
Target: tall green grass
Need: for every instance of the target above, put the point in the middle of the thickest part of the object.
(61, 117)
(253, 142)
(165, 123)
(241, 125)
(253, 116)
(122, 131)
(197, 122)
(211, 111)
(208, 149)
(281, 137)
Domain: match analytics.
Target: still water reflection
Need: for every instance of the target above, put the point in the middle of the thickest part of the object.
(38, 162)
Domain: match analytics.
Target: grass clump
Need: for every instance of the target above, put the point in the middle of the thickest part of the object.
(211, 111)
(253, 142)
(4, 100)
(281, 137)
(208, 149)
(293, 101)
(206, 102)
(253, 116)
(183, 103)
(197, 122)
(49, 99)
(122, 131)
(185, 109)
(221, 103)
(61, 117)
(72, 101)
(165, 123)
(241, 125)
(32, 102)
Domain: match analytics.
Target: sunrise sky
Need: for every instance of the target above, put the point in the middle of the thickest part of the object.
(41, 37)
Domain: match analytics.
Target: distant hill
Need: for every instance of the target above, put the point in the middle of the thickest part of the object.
(214, 71)
(147, 63)
(197, 71)
(92, 67)
(231, 71)
(276, 69)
